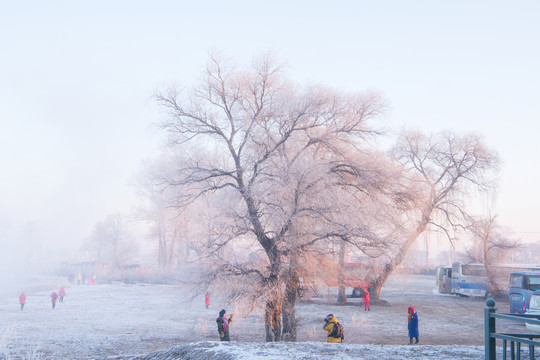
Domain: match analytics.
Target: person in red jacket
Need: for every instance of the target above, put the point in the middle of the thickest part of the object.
(366, 300)
(22, 300)
(207, 298)
(54, 297)
(62, 293)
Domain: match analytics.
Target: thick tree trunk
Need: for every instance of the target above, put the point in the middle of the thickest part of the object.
(272, 320)
(289, 311)
(342, 297)
(391, 266)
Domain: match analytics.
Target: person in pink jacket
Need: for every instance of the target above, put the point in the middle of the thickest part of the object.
(22, 300)
(62, 293)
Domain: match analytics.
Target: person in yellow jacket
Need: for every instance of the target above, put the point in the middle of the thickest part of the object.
(335, 331)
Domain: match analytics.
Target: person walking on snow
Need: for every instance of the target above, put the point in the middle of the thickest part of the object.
(331, 326)
(54, 297)
(22, 299)
(413, 325)
(366, 300)
(62, 293)
(223, 325)
(207, 298)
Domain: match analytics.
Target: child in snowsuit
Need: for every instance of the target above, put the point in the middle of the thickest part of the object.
(413, 325)
(366, 300)
(22, 300)
(223, 325)
(330, 321)
(62, 293)
(54, 297)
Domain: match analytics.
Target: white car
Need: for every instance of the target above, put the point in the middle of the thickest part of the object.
(534, 309)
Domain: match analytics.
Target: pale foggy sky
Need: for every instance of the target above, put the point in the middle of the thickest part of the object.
(76, 79)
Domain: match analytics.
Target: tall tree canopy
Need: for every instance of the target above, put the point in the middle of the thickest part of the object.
(289, 168)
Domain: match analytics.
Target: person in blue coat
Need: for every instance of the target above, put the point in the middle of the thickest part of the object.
(413, 325)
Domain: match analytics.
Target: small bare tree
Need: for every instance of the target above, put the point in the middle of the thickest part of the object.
(491, 246)
(110, 241)
(167, 225)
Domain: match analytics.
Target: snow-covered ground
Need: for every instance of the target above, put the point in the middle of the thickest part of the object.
(121, 320)
(311, 350)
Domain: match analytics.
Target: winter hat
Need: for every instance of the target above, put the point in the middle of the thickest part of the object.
(411, 309)
(222, 312)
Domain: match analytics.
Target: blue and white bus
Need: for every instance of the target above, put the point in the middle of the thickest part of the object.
(470, 280)
(522, 285)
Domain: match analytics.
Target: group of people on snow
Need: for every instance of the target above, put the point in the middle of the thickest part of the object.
(58, 296)
(335, 331)
(54, 297)
(81, 279)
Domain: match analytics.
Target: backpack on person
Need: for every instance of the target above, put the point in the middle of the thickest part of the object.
(338, 332)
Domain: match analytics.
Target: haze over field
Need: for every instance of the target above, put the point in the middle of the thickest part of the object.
(76, 113)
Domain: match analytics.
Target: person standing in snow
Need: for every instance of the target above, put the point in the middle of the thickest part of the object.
(331, 326)
(207, 298)
(79, 279)
(366, 300)
(62, 293)
(54, 297)
(22, 300)
(413, 325)
(223, 325)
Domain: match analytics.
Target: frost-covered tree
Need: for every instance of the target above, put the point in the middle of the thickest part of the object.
(111, 241)
(168, 227)
(288, 167)
(447, 169)
(490, 246)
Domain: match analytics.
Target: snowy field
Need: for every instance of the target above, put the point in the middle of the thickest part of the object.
(122, 321)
